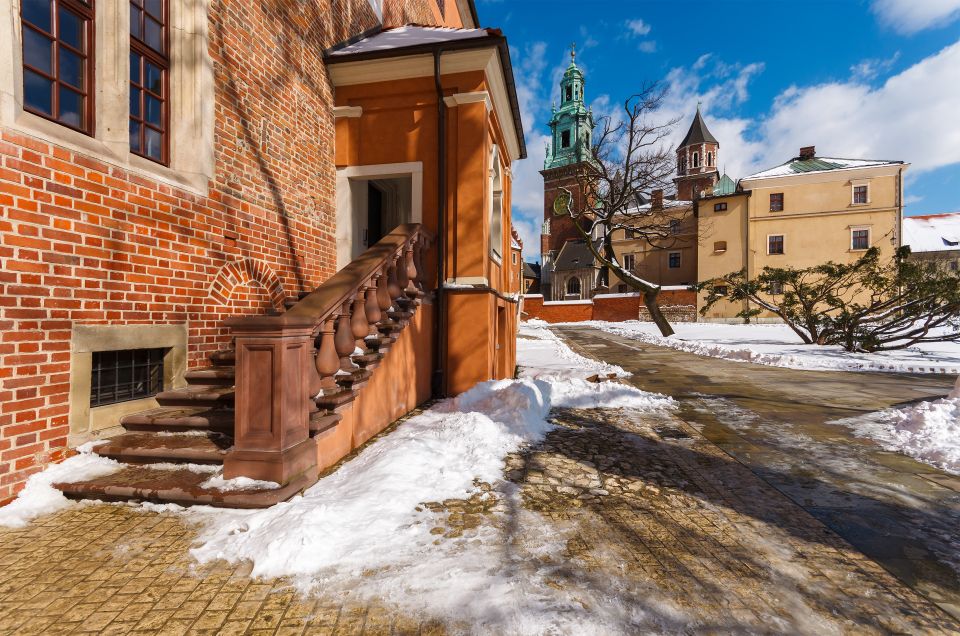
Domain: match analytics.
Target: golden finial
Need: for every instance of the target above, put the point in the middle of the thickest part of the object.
(573, 52)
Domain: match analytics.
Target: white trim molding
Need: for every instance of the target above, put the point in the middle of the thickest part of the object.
(347, 111)
(452, 101)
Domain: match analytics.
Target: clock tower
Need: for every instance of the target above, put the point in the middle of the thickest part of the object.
(571, 131)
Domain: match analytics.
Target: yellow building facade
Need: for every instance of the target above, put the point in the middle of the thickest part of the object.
(805, 212)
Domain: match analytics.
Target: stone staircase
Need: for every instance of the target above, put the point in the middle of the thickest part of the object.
(170, 452)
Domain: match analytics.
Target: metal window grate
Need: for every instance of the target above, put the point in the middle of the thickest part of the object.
(129, 374)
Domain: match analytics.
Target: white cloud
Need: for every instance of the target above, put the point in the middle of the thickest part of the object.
(638, 27)
(911, 16)
(648, 46)
(869, 69)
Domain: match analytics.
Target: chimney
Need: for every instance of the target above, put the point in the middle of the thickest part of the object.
(808, 152)
(656, 199)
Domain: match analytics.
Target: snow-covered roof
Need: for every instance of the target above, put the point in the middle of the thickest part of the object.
(408, 36)
(667, 204)
(932, 232)
(817, 164)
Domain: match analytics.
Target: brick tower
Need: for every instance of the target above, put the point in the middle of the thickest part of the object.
(696, 160)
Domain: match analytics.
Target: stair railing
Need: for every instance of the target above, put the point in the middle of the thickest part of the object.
(288, 362)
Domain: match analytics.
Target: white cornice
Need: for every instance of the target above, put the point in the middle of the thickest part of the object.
(457, 99)
(347, 111)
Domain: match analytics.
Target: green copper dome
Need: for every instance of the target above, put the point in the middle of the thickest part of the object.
(571, 125)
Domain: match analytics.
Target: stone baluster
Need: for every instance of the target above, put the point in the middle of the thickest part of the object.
(418, 247)
(327, 360)
(359, 322)
(409, 256)
(343, 339)
(403, 276)
(393, 284)
(372, 305)
(384, 299)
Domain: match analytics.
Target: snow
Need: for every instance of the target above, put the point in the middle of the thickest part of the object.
(786, 169)
(932, 232)
(217, 482)
(39, 497)
(406, 36)
(776, 345)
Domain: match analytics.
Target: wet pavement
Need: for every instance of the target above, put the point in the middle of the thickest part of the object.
(778, 422)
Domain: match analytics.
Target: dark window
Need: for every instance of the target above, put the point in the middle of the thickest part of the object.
(776, 288)
(573, 286)
(954, 266)
(860, 194)
(696, 160)
(628, 262)
(720, 246)
(721, 290)
(775, 244)
(149, 79)
(130, 374)
(58, 61)
(719, 207)
(565, 139)
(674, 227)
(621, 288)
(709, 158)
(860, 239)
(569, 93)
(674, 260)
(776, 202)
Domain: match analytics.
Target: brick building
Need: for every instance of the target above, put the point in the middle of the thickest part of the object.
(167, 166)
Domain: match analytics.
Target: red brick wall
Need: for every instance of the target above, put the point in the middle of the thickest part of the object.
(82, 241)
(678, 304)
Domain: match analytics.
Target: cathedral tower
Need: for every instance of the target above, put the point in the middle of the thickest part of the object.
(696, 160)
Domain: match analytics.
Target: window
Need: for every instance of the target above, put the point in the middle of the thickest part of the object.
(859, 194)
(674, 226)
(149, 71)
(621, 288)
(629, 262)
(776, 202)
(514, 258)
(569, 93)
(776, 288)
(721, 290)
(696, 160)
(775, 244)
(565, 139)
(860, 238)
(709, 159)
(720, 246)
(496, 204)
(58, 61)
(720, 207)
(681, 165)
(573, 286)
(673, 260)
(121, 376)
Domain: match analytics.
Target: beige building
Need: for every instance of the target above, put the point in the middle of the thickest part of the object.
(805, 212)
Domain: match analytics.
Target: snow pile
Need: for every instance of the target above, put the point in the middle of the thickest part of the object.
(776, 345)
(217, 482)
(542, 354)
(929, 432)
(39, 497)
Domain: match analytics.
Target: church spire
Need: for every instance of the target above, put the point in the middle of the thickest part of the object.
(571, 124)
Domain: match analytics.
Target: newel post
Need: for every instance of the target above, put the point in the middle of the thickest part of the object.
(273, 398)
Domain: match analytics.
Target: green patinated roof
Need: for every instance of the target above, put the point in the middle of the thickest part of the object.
(817, 164)
(724, 186)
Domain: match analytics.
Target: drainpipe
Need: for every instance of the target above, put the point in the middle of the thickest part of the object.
(438, 381)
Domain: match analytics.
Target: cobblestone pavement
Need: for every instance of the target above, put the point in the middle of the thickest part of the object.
(658, 527)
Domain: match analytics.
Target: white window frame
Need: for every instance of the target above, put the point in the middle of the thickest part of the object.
(679, 260)
(631, 264)
(496, 205)
(191, 103)
(856, 228)
(783, 238)
(696, 160)
(853, 192)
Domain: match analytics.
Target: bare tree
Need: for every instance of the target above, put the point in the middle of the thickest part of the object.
(630, 157)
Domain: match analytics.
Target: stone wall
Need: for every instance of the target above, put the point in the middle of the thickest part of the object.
(679, 305)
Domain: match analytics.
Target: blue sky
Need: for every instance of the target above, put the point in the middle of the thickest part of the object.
(875, 79)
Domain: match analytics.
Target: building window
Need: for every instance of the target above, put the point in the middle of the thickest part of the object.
(149, 79)
(129, 374)
(721, 290)
(565, 139)
(514, 258)
(58, 61)
(720, 207)
(621, 288)
(681, 165)
(696, 160)
(720, 246)
(573, 287)
(496, 204)
(569, 93)
(673, 260)
(775, 244)
(776, 288)
(674, 226)
(629, 262)
(860, 238)
(776, 202)
(859, 195)
(709, 159)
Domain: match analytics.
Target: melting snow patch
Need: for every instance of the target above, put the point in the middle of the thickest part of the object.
(39, 497)
(217, 482)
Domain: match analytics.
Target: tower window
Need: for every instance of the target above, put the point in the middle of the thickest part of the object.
(58, 60)
(709, 159)
(569, 93)
(696, 160)
(565, 139)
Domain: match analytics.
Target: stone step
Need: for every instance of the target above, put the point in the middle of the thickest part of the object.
(215, 376)
(183, 487)
(188, 447)
(354, 379)
(323, 421)
(223, 358)
(336, 401)
(198, 396)
(368, 360)
(180, 419)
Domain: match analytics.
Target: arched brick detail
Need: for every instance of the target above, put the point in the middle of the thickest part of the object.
(244, 272)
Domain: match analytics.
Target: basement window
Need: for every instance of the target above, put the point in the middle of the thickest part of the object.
(124, 375)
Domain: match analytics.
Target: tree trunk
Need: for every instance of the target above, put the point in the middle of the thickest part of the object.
(650, 300)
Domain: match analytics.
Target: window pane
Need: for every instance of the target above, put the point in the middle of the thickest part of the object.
(152, 141)
(154, 75)
(37, 50)
(135, 102)
(37, 92)
(155, 8)
(135, 68)
(135, 30)
(71, 68)
(37, 12)
(153, 108)
(71, 29)
(134, 136)
(153, 34)
(71, 107)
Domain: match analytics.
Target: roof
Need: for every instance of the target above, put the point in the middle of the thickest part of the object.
(698, 133)
(574, 255)
(409, 36)
(531, 270)
(724, 186)
(818, 164)
(932, 232)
